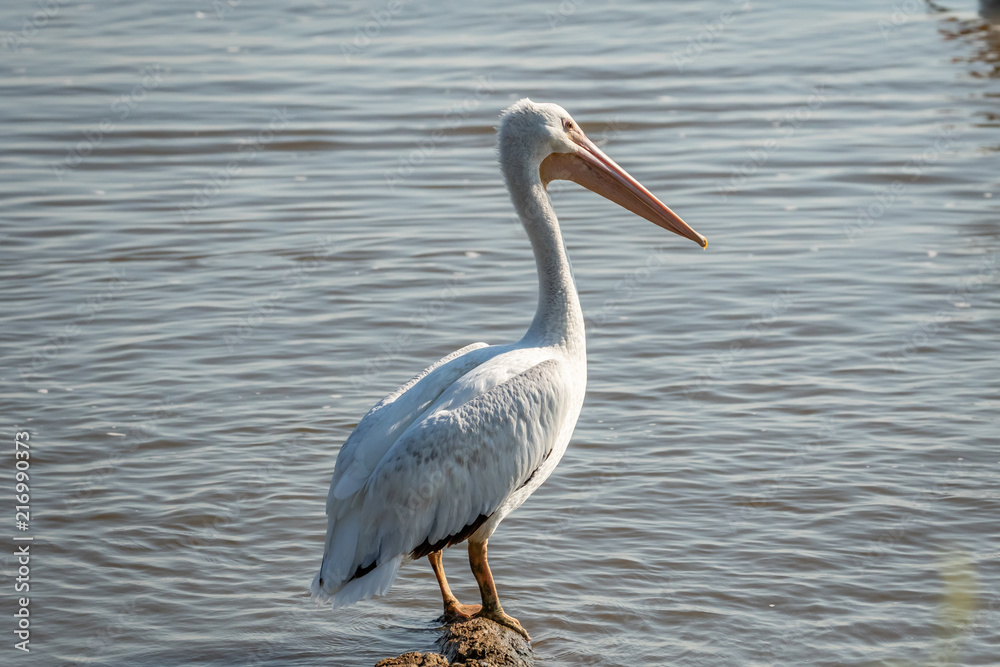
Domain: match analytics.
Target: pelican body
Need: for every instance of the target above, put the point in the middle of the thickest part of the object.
(444, 458)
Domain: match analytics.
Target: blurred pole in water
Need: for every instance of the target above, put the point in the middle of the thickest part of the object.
(958, 608)
(989, 9)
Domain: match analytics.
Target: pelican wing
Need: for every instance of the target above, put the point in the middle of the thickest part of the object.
(460, 464)
(378, 429)
(445, 474)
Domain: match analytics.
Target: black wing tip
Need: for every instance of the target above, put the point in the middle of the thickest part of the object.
(425, 548)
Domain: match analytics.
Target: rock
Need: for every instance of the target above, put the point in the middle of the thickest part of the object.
(414, 659)
(476, 642)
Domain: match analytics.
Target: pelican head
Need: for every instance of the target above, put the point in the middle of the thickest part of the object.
(546, 140)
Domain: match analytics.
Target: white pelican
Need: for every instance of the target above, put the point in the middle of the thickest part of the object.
(444, 458)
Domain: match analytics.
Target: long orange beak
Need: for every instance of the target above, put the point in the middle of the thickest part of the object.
(594, 170)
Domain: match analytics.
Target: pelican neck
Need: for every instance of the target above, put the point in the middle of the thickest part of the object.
(558, 317)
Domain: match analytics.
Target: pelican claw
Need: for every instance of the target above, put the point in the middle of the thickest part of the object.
(500, 618)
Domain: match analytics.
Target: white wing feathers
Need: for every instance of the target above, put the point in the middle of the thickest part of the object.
(378, 429)
(436, 464)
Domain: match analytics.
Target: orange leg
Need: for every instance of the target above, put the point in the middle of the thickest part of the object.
(453, 610)
(491, 601)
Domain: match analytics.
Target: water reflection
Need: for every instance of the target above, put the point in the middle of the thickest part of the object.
(990, 10)
(982, 33)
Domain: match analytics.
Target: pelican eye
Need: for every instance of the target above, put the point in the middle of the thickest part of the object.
(567, 125)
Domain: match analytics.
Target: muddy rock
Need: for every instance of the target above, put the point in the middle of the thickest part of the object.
(414, 659)
(476, 642)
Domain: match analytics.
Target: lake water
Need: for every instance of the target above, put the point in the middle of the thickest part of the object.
(229, 227)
